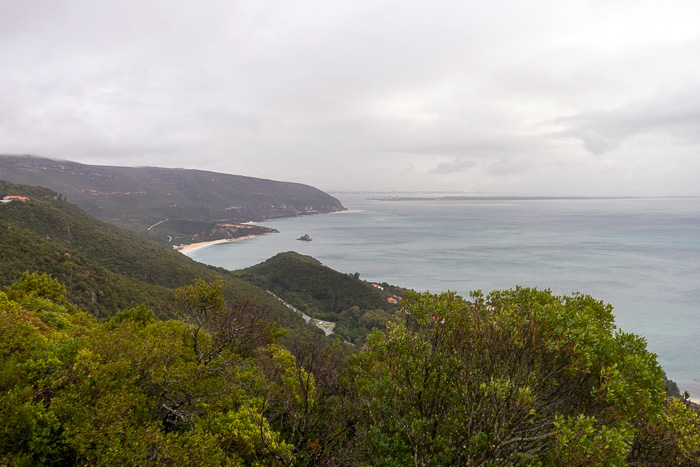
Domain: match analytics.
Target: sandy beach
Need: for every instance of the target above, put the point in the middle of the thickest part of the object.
(347, 211)
(184, 249)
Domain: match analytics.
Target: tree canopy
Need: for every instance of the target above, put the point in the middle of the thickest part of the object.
(530, 379)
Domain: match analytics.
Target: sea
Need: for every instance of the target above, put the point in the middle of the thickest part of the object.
(640, 255)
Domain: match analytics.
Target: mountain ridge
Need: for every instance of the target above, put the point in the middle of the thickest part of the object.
(171, 205)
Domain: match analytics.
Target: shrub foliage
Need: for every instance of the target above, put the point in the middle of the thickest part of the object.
(535, 379)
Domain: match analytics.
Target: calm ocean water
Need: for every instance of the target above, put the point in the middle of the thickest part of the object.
(642, 256)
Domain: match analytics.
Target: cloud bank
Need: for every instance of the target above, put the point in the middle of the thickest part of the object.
(542, 97)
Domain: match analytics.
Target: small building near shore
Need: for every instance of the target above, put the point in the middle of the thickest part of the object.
(7, 199)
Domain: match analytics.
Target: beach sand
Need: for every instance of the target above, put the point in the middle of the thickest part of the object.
(347, 211)
(184, 249)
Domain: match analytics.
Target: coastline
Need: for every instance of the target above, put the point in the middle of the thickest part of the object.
(347, 211)
(190, 247)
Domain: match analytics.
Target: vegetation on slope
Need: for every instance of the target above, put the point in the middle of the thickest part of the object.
(105, 268)
(537, 380)
(317, 289)
(540, 380)
(533, 379)
(170, 205)
(90, 285)
(356, 306)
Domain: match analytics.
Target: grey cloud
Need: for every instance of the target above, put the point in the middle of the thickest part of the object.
(600, 132)
(453, 166)
(596, 144)
(591, 134)
(340, 94)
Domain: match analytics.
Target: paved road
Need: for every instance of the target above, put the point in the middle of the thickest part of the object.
(325, 326)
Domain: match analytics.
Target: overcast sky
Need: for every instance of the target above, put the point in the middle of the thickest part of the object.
(485, 97)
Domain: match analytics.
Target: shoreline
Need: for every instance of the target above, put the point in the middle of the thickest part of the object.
(190, 247)
(347, 211)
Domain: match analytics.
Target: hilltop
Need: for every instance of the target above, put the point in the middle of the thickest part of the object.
(354, 305)
(172, 206)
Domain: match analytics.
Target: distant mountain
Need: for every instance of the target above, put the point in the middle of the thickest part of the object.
(170, 205)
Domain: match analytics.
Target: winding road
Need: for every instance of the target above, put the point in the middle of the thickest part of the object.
(325, 326)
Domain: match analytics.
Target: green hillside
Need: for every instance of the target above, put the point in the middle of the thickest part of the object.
(170, 205)
(105, 268)
(540, 379)
(90, 285)
(356, 306)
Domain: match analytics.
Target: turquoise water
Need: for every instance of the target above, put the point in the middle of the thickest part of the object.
(642, 256)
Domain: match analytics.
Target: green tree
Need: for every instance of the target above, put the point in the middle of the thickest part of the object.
(306, 399)
(37, 349)
(533, 379)
(38, 285)
(127, 391)
(139, 314)
(215, 327)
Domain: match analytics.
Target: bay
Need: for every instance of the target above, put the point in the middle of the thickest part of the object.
(640, 255)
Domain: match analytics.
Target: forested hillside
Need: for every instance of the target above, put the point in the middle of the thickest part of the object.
(90, 285)
(106, 268)
(356, 306)
(173, 206)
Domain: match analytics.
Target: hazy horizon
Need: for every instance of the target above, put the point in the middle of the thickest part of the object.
(542, 98)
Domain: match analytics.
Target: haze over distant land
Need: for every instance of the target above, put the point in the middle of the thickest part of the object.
(174, 206)
(574, 98)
